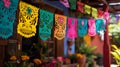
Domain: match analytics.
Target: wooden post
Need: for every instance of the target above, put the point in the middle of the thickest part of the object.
(106, 47)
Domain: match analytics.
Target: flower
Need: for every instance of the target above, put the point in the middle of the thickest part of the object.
(25, 57)
(67, 61)
(37, 61)
(60, 59)
(54, 61)
(79, 55)
(13, 58)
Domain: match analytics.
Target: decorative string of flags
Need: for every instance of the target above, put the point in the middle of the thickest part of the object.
(83, 8)
(86, 9)
(28, 20)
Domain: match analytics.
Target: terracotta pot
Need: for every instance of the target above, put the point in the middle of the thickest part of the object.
(82, 61)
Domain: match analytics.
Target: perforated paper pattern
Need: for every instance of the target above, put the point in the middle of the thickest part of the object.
(92, 27)
(28, 18)
(94, 13)
(82, 27)
(72, 28)
(60, 26)
(7, 18)
(100, 25)
(87, 9)
(46, 24)
(72, 4)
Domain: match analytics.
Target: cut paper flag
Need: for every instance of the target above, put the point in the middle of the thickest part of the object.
(107, 16)
(60, 26)
(87, 40)
(72, 28)
(87, 9)
(92, 27)
(28, 18)
(94, 13)
(82, 27)
(80, 7)
(100, 25)
(112, 18)
(73, 4)
(100, 13)
(7, 18)
(102, 35)
(46, 24)
(65, 3)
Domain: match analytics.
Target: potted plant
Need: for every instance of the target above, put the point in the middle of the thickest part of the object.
(87, 51)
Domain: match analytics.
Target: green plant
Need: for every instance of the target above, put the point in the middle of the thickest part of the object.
(87, 51)
(116, 53)
(14, 61)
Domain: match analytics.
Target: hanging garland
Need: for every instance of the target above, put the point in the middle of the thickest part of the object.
(28, 18)
(7, 17)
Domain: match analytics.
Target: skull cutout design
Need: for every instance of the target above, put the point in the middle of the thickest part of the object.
(46, 24)
(72, 28)
(28, 18)
(60, 26)
(7, 18)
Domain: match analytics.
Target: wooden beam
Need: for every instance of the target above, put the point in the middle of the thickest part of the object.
(41, 4)
(113, 1)
(103, 1)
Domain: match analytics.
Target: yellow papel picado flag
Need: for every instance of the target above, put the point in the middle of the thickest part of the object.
(28, 18)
